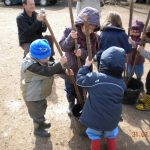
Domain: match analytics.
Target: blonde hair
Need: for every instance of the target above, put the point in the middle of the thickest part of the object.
(113, 19)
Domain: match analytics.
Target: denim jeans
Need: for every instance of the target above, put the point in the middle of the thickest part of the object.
(139, 69)
(96, 135)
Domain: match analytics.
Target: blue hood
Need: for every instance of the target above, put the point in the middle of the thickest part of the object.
(113, 58)
(93, 17)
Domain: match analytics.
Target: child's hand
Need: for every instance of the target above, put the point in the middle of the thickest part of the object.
(140, 48)
(88, 62)
(73, 34)
(143, 36)
(78, 52)
(133, 43)
(69, 72)
(63, 60)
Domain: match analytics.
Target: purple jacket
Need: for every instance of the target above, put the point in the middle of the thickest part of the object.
(68, 44)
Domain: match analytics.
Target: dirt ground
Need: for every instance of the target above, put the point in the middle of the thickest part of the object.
(16, 126)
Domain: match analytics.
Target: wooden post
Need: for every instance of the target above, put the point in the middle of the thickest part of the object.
(129, 27)
(131, 16)
(72, 79)
(74, 28)
(88, 41)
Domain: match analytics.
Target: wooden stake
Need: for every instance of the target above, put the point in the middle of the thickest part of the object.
(131, 16)
(88, 41)
(74, 28)
(72, 79)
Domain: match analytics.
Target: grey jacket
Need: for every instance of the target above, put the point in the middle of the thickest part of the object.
(37, 79)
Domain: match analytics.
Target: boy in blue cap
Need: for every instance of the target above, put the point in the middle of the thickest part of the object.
(102, 110)
(36, 82)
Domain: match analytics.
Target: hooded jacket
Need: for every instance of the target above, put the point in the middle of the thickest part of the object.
(68, 44)
(37, 79)
(103, 107)
(113, 36)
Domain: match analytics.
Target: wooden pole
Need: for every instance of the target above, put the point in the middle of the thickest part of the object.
(72, 79)
(74, 28)
(131, 16)
(88, 41)
(129, 27)
(53, 37)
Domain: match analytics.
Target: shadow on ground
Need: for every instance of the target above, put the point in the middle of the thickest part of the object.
(125, 142)
(79, 139)
(43, 144)
(130, 115)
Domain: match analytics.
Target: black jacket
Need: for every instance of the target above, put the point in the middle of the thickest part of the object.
(29, 29)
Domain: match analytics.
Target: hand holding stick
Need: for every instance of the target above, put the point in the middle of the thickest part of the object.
(88, 62)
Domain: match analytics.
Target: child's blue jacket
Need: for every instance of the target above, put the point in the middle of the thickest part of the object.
(113, 36)
(102, 108)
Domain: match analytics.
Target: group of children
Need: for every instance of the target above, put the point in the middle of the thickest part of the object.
(102, 109)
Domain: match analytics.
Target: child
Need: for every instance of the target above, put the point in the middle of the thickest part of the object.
(145, 105)
(135, 33)
(67, 44)
(102, 110)
(36, 82)
(113, 34)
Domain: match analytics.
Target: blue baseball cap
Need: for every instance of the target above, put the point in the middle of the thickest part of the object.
(40, 49)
